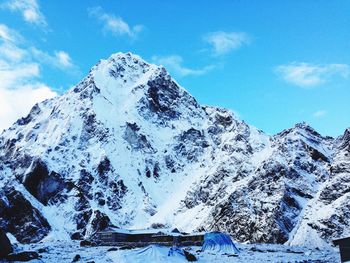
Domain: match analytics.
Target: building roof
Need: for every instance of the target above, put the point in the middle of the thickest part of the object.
(341, 240)
(159, 231)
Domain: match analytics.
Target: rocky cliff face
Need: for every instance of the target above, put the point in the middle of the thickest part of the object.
(129, 147)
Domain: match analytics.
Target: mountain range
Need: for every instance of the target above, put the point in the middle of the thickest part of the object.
(129, 147)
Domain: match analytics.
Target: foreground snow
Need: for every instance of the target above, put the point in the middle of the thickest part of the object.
(66, 251)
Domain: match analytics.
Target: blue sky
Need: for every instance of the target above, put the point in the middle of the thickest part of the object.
(274, 63)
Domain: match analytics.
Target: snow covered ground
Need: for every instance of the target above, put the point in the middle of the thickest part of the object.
(66, 251)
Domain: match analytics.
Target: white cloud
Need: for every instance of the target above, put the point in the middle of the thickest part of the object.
(319, 114)
(309, 75)
(16, 103)
(114, 24)
(225, 42)
(11, 52)
(15, 75)
(20, 90)
(60, 59)
(64, 59)
(29, 9)
(10, 49)
(20, 87)
(8, 35)
(174, 63)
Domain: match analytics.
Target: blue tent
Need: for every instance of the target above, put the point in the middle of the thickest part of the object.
(219, 242)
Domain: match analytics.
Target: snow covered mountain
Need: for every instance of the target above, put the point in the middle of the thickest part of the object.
(129, 147)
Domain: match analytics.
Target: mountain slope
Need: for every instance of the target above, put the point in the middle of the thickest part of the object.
(129, 147)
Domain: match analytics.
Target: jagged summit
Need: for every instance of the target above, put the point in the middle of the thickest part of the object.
(301, 127)
(304, 126)
(126, 67)
(124, 61)
(344, 140)
(119, 74)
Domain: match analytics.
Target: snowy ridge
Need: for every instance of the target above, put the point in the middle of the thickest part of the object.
(129, 147)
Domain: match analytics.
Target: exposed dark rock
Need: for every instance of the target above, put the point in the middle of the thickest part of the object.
(34, 111)
(20, 218)
(224, 120)
(156, 170)
(5, 244)
(127, 247)
(189, 256)
(103, 168)
(77, 236)
(345, 141)
(42, 184)
(100, 221)
(118, 190)
(99, 197)
(76, 258)
(148, 172)
(43, 250)
(191, 144)
(85, 181)
(23, 256)
(86, 243)
(92, 128)
(157, 225)
(315, 154)
(136, 140)
(113, 249)
(81, 219)
(162, 93)
(117, 71)
(204, 193)
(82, 203)
(336, 189)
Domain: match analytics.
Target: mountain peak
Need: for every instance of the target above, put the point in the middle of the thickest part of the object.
(345, 139)
(303, 126)
(127, 59)
(123, 70)
(304, 130)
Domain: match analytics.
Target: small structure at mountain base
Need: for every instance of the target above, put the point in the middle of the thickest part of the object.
(219, 243)
(344, 247)
(146, 237)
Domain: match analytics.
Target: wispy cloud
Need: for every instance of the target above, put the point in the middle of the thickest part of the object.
(29, 9)
(175, 64)
(8, 35)
(224, 42)
(114, 24)
(319, 113)
(8, 44)
(11, 52)
(20, 86)
(64, 59)
(310, 75)
(60, 59)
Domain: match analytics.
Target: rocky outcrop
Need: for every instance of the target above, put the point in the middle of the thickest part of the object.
(20, 218)
(5, 245)
(42, 184)
(22, 256)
